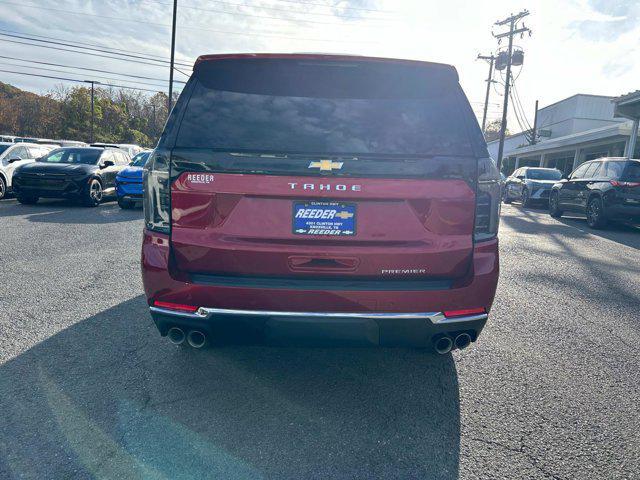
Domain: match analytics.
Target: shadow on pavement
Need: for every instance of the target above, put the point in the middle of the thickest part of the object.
(525, 221)
(616, 232)
(69, 212)
(609, 274)
(108, 398)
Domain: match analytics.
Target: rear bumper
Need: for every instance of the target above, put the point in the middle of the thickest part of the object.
(377, 315)
(540, 194)
(346, 329)
(129, 190)
(624, 212)
(130, 198)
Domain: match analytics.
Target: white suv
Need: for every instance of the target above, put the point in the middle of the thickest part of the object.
(12, 155)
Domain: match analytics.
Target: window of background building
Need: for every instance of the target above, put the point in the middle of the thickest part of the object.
(593, 156)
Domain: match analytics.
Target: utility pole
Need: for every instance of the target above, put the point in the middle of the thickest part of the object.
(92, 82)
(512, 21)
(173, 52)
(534, 130)
(489, 81)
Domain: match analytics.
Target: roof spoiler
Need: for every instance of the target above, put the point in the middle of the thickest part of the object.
(319, 56)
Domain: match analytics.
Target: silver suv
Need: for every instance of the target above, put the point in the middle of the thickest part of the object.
(12, 155)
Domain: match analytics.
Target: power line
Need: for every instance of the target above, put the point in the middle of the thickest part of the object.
(523, 129)
(92, 54)
(243, 14)
(519, 108)
(306, 4)
(86, 68)
(80, 81)
(522, 110)
(55, 70)
(180, 71)
(332, 6)
(482, 103)
(81, 52)
(84, 44)
(30, 38)
(193, 27)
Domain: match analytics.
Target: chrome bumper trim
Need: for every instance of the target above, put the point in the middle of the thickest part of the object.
(176, 313)
(436, 318)
(441, 319)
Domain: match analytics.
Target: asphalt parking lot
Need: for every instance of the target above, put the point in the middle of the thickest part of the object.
(88, 389)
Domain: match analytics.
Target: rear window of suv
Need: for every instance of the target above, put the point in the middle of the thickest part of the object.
(632, 172)
(543, 174)
(324, 107)
(613, 170)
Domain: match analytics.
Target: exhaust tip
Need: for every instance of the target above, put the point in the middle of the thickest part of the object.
(463, 341)
(443, 345)
(196, 339)
(176, 335)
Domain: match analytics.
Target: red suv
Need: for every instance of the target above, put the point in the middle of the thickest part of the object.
(323, 198)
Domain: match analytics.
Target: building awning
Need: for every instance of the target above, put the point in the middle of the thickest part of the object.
(575, 140)
(627, 106)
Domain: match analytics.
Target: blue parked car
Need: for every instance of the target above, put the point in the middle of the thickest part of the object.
(129, 181)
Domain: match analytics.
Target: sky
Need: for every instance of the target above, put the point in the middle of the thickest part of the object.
(576, 46)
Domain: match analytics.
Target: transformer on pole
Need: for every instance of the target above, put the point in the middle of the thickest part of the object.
(508, 58)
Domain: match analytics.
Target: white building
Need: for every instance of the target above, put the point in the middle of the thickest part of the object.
(571, 131)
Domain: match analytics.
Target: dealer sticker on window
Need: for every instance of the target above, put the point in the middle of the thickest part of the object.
(324, 218)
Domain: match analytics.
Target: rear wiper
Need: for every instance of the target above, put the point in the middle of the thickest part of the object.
(293, 155)
(261, 155)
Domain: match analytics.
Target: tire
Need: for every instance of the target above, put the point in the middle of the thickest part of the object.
(524, 198)
(3, 188)
(505, 196)
(93, 196)
(596, 218)
(27, 200)
(125, 204)
(554, 205)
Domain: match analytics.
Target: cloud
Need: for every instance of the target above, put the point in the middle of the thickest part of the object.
(614, 19)
(617, 67)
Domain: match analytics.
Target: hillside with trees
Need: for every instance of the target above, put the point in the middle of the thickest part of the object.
(121, 116)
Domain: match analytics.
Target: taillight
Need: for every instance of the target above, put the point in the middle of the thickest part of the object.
(617, 183)
(180, 307)
(465, 312)
(157, 193)
(487, 201)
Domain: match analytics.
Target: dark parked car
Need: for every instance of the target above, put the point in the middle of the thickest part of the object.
(87, 174)
(530, 184)
(604, 189)
(326, 198)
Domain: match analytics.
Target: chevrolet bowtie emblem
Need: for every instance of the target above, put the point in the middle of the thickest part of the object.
(326, 165)
(344, 215)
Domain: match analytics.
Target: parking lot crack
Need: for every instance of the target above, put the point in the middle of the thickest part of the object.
(533, 461)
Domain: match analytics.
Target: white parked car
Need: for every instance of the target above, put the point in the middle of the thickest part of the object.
(12, 155)
(130, 148)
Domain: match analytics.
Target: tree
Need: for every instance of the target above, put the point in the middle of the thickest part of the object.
(120, 116)
(492, 130)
